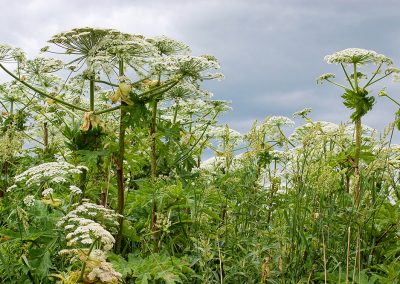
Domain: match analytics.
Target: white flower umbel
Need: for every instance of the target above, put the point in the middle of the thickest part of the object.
(47, 191)
(223, 131)
(74, 189)
(212, 163)
(29, 200)
(11, 188)
(86, 232)
(357, 56)
(55, 172)
(107, 217)
(314, 129)
(10, 54)
(279, 121)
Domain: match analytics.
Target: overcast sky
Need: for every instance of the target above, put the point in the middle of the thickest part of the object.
(271, 52)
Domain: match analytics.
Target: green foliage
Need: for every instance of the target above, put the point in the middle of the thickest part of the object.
(155, 268)
(359, 101)
(91, 139)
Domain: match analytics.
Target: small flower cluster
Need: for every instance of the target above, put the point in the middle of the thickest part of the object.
(212, 164)
(163, 222)
(41, 65)
(74, 189)
(279, 121)
(168, 46)
(325, 77)
(318, 128)
(302, 113)
(185, 65)
(10, 54)
(357, 56)
(29, 200)
(47, 192)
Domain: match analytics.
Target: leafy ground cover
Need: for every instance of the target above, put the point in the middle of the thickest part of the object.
(102, 178)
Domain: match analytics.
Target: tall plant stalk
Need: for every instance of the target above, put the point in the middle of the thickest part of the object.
(120, 165)
(358, 131)
(153, 129)
(356, 96)
(91, 94)
(45, 137)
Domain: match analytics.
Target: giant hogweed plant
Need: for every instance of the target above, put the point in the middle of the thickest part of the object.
(102, 56)
(356, 94)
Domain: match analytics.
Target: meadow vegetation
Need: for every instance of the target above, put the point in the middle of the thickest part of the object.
(103, 177)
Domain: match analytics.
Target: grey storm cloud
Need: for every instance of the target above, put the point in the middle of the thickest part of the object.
(271, 52)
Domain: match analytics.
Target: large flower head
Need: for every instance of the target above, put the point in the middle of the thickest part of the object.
(357, 56)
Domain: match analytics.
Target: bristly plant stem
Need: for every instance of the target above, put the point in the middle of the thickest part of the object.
(120, 165)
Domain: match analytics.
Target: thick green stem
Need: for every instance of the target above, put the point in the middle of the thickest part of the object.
(88, 255)
(82, 182)
(153, 154)
(107, 110)
(357, 181)
(358, 129)
(120, 166)
(153, 168)
(175, 113)
(12, 108)
(91, 92)
(45, 137)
